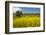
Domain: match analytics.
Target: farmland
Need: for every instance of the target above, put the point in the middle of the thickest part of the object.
(26, 20)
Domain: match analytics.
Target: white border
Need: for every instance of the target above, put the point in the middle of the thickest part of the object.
(11, 29)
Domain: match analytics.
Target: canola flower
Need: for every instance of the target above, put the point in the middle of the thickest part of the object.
(26, 22)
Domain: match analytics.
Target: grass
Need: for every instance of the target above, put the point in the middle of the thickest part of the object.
(27, 21)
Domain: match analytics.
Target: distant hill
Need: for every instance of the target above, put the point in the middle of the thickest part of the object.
(29, 14)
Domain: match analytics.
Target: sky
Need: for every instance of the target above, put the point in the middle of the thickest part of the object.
(27, 9)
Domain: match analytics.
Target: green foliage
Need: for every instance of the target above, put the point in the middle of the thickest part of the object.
(18, 13)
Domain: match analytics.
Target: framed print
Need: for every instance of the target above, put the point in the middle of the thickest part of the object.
(24, 17)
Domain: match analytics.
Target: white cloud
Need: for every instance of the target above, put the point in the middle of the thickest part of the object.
(16, 9)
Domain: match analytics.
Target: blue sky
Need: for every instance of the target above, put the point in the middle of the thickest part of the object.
(30, 9)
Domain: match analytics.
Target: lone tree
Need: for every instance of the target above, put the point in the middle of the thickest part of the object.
(18, 13)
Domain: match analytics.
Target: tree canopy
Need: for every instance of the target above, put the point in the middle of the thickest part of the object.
(18, 13)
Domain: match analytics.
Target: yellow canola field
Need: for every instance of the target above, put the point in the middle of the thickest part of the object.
(26, 22)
